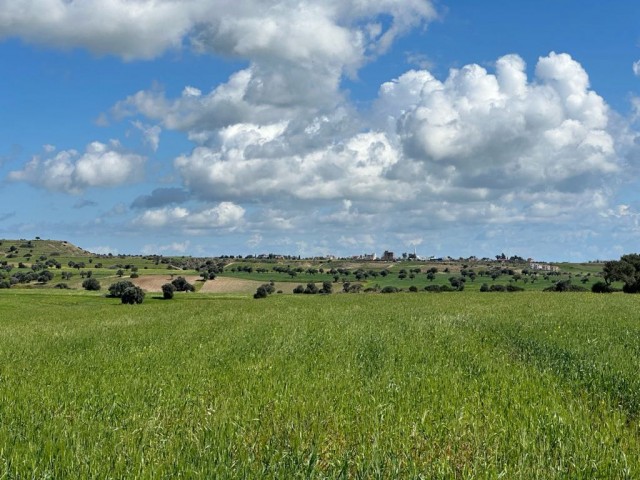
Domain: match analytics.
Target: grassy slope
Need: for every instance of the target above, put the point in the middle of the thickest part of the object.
(526, 386)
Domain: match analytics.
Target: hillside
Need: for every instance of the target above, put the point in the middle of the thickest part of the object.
(20, 248)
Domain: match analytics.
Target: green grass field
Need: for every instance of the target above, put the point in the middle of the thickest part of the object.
(459, 385)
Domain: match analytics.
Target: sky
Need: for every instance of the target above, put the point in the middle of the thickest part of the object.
(317, 127)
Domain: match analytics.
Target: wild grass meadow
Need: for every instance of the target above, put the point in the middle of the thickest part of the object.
(459, 385)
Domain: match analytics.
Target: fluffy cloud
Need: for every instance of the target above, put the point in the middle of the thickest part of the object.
(224, 215)
(101, 165)
(296, 30)
(476, 145)
(500, 131)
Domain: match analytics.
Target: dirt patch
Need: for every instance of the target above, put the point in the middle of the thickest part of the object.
(153, 283)
(230, 285)
(238, 285)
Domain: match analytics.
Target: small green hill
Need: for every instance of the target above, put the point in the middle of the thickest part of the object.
(36, 248)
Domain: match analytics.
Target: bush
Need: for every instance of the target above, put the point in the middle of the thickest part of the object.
(484, 287)
(134, 275)
(133, 295)
(62, 286)
(5, 284)
(117, 289)
(326, 287)
(261, 292)
(311, 289)
(299, 289)
(602, 287)
(182, 285)
(264, 290)
(167, 291)
(565, 286)
(413, 288)
(91, 284)
(389, 289)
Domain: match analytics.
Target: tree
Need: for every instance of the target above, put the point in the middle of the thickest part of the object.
(91, 284)
(601, 287)
(326, 287)
(182, 285)
(626, 270)
(117, 289)
(167, 291)
(132, 295)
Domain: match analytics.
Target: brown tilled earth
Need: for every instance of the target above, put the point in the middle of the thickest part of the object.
(153, 283)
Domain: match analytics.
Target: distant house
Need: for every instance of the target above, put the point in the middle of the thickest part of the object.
(543, 267)
(388, 256)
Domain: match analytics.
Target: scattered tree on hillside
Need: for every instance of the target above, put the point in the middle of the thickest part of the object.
(182, 285)
(132, 295)
(91, 284)
(167, 291)
(117, 289)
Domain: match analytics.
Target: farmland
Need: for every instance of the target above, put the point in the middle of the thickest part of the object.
(463, 384)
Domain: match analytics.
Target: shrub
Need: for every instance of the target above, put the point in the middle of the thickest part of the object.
(514, 288)
(167, 291)
(5, 284)
(117, 289)
(326, 287)
(299, 289)
(264, 290)
(91, 284)
(311, 289)
(484, 287)
(389, 289)
(261, 292)
(565, 286)
(62, 286)
(133, 295)
(134, 275)
(182, 285)
(602, 287)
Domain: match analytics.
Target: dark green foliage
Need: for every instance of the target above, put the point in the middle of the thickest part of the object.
(5, 284)
(565, 286)
(134, 275)
(389, 289)
(413, 288)
(91, 284)
(167, 291)
(61, 286)
(182, 285)
(45, 276)
(117, 289)
(264, 290)
(602, 287)
(133, 295)
(311, 289)
(299, 289)
(326, 287)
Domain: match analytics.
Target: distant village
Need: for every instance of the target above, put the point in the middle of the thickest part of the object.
(389, 256)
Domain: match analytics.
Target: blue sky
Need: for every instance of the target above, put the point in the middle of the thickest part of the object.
(312, 127)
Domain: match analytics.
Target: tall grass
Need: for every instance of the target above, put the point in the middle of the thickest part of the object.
(464, 385)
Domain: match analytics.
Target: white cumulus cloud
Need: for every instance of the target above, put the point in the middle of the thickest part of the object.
(101, 165)
(224, 215)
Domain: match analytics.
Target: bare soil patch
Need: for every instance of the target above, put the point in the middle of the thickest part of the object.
(153, 283)
(238, 285)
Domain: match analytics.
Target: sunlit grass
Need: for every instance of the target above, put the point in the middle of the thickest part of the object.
(533, 385)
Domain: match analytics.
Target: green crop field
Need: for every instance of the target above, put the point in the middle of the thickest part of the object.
(458, 385)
